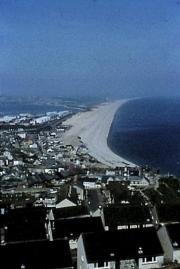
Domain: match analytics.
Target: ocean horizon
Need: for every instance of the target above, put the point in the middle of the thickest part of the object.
(146, 131)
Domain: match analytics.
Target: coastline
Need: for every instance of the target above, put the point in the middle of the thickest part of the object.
(92, 128)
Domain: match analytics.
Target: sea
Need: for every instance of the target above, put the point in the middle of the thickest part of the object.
(147, 132)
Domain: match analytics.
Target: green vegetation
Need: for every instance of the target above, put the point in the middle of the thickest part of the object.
(168, 192)
(120, 192)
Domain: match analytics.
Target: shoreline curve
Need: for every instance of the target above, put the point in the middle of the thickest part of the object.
(93, 127)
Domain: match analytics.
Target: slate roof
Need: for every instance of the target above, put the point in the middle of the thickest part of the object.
(25, 231)
(69, 212)
(73, 227)
(24, 224)
(168, 213)
(28, 214)
(37, 254)
(126, 215)
(174, 234)
(121, 245)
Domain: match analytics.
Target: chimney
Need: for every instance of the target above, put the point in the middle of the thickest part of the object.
(140, 250)
(70, 191)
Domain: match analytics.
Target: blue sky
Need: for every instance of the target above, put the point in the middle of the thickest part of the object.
(114, 48)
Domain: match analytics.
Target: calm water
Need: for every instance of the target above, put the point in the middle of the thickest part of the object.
(147, 131)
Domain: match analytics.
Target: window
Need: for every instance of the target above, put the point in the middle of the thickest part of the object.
(101, 264)
(144, 260)
(149, 259)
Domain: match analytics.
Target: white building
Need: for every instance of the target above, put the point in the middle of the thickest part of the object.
(121, 249)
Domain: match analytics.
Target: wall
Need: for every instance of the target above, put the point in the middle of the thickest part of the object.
(81, 256)
(154, 264)
(176, 255)
(166, 244)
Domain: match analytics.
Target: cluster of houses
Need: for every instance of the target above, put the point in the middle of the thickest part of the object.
(60, 208)
(70, 236)
(34, 164)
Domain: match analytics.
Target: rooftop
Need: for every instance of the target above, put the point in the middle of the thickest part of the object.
(122, 244)
(72, 228)
(24, 224)
(126, 214)
(174, 234)
(37, 254)
(168, 213)
(70, 212)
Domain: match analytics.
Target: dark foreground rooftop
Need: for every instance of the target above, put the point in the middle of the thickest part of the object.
(126, 215)
(36, 255)
(169, 213)
(123, 244)
(24, 224)
(174, 234)
(70, 212)
(72, 228)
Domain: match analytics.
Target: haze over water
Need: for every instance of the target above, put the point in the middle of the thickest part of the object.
(147, 132)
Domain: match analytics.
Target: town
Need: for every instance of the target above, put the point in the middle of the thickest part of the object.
(61, 208)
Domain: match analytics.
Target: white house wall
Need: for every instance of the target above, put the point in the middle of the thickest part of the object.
(81, 256)
(166, 244)
(154, 264)
(176, 255)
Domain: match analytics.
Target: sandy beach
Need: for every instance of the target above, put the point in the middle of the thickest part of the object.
(93, 129)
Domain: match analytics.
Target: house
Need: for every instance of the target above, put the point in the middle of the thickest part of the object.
(106, 179)
(36, 254)
(79, 189)
(23, 224)
(7, 154)
(119, 216)
(110, 173)
(71, 228)
(67, 212)
(135, 248)
(18, 162)
(169, 236)
(65, 203)
(70, 212)
(49, 201)
(136, 181)
(90, 183)
(61, 216)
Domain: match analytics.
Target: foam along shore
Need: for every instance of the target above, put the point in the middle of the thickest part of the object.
(92, 127)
